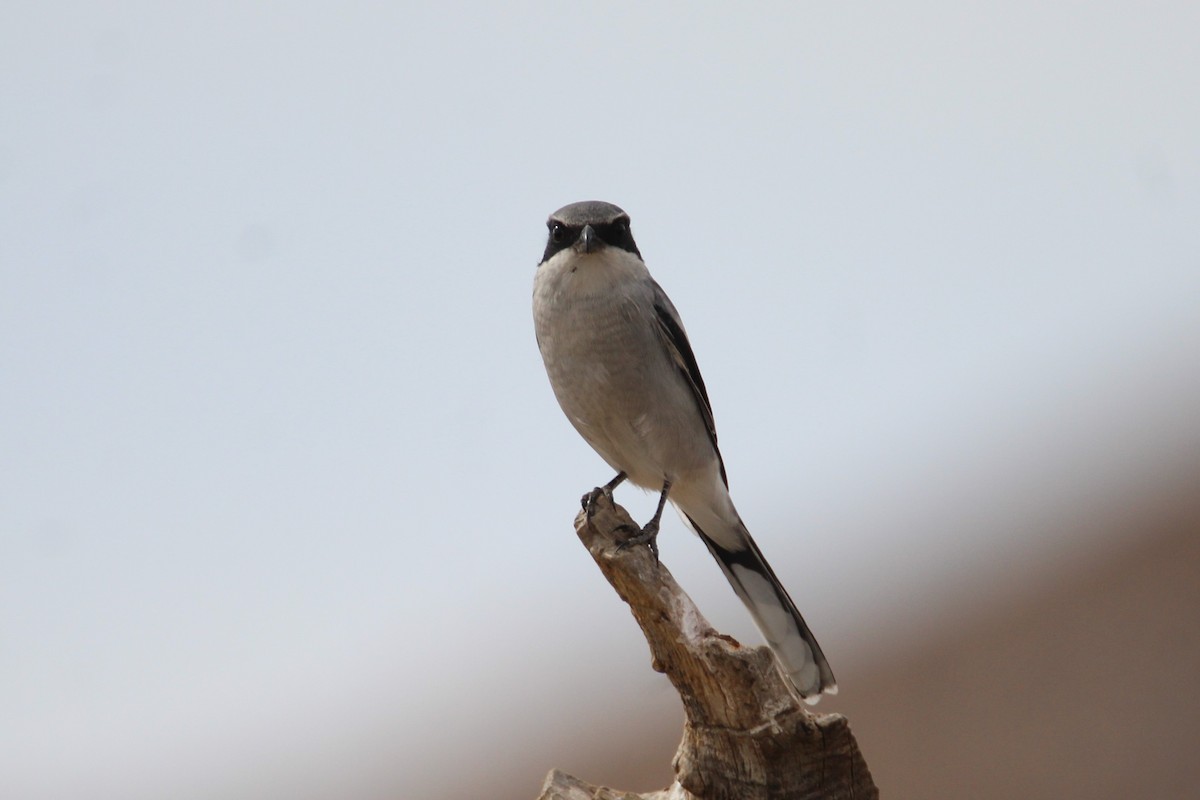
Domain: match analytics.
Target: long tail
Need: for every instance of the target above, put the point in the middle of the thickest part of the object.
(775, 614)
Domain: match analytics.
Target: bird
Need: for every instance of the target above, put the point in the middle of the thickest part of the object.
(624, 373)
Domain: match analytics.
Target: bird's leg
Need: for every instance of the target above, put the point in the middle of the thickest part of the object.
(649, 532)
(589, 499)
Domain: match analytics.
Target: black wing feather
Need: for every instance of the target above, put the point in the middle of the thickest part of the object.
(685, 360)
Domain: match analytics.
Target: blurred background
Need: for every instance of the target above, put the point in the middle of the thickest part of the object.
(286, 501)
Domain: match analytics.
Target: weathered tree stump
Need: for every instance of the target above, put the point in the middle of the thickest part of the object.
(747, 736)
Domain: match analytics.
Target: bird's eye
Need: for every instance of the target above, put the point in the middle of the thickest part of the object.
(558, 232)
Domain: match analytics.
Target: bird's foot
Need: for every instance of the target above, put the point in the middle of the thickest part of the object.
(648, 536)
(588, 501)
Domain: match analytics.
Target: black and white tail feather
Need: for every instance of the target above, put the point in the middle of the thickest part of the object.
(775, 614)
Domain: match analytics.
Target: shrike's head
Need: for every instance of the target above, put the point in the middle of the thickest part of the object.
(589, 227)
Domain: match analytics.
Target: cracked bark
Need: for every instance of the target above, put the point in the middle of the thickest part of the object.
(746, 735)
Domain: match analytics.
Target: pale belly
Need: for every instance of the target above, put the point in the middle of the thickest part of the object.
(618, 387)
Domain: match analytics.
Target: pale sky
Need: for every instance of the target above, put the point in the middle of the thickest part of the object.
(285, 497)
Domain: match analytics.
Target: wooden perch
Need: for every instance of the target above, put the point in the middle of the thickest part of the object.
(746, 735)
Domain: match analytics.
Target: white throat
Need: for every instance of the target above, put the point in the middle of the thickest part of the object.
(581, 274)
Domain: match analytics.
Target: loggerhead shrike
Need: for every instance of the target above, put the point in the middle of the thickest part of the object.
(624, 373)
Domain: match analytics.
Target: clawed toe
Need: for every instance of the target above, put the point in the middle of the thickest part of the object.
(647, 536)
(588, 501)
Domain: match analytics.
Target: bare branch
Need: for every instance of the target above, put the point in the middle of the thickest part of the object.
(746, 736)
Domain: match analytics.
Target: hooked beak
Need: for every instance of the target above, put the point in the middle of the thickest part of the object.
(589, 242)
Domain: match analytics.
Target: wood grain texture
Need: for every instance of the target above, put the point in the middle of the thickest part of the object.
(746, 736)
